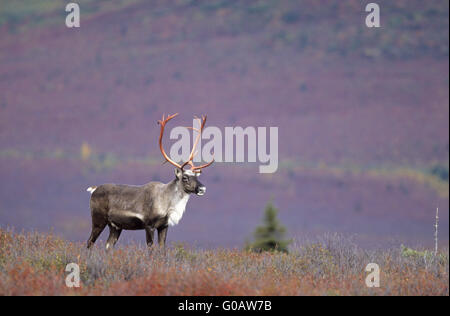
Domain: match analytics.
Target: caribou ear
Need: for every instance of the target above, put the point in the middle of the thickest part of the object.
(178, 173)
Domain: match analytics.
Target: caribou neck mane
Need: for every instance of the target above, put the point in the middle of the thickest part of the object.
(177, 205)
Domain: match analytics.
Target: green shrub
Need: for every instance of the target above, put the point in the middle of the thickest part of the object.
(415, 254)
(440, 171)
(269, 236)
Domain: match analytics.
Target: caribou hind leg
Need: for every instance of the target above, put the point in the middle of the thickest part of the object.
(114, 234)
(96, 231)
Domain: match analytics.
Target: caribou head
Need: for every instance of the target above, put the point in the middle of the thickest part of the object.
(187, 178)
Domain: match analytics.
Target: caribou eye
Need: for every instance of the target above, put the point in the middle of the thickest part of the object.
(185, 179)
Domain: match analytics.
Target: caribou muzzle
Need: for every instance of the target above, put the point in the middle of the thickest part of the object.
(201, 190)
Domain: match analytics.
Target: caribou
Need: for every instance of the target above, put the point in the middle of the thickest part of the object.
(152, 206)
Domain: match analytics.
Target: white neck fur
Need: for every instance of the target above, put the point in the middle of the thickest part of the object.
(176, 211)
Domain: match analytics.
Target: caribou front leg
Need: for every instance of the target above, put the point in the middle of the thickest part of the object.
(162, 234)
(149, 235)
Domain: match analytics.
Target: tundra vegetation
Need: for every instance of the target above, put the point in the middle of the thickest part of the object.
(34, 264)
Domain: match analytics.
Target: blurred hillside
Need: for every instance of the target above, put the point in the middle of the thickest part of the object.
(363, 113)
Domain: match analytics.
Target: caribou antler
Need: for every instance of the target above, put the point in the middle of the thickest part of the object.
(193, 151)
(163, 125)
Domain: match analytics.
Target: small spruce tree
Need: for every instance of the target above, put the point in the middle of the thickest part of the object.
(270, 235)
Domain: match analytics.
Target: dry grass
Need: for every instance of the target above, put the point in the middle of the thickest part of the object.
(33, 264)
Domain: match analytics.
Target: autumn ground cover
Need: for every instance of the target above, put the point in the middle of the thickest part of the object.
(34, 264)
(362, 113)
